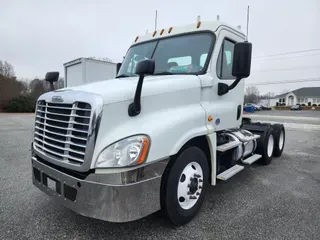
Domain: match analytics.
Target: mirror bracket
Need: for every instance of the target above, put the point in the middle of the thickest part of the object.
(225, 88)
(143, 67)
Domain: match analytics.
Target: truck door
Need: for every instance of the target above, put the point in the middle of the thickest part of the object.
(226, 110)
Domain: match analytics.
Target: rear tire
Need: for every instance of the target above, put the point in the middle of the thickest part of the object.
(279, 139)
(184, 185)
(266, 146)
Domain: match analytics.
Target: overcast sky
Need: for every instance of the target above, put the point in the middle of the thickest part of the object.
(37, 36)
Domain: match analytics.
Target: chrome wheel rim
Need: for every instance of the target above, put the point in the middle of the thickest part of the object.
(270, 145)
(281, 140)
(190, 185)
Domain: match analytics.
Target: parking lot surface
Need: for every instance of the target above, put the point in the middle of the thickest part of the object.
(278, 201)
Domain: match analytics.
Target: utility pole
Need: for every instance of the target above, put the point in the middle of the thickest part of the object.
(247, 37)
(155, 21)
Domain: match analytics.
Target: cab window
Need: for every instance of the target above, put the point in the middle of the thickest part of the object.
(224, 63)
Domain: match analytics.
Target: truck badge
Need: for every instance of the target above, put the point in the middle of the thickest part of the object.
(57, 99)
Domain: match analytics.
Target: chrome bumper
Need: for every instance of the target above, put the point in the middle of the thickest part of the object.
(117, 197)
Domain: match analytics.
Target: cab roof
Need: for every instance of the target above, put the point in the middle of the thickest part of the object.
(198, 26)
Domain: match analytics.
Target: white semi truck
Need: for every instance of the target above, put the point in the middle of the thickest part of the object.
(87, 70)
(159, 134)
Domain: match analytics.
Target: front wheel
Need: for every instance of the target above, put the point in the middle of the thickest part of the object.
(185, 185)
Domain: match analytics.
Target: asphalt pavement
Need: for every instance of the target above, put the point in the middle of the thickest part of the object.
(278, 201)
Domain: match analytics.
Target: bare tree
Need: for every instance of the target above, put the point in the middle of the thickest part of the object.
(252, 95)
(37, 88)
(268, 95)
(6, 69)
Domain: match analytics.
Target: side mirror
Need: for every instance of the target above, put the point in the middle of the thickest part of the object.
(241, 66)
(142, 68)
(118, 67)
(145, 67)
(242, 60)
(52, 77)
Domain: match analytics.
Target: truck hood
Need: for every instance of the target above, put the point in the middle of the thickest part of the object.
(122, 89)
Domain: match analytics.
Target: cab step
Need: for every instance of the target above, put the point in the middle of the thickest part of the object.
(230, 172)
(251, 159)
(228, 146)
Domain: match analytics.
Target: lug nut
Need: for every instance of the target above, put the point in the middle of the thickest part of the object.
(193, 197)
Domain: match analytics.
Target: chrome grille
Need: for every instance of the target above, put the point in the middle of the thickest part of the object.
(62, 130)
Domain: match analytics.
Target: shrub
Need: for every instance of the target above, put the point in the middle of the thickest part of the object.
(314, 105)
(283, 104)
(23, 103)
(303, 105)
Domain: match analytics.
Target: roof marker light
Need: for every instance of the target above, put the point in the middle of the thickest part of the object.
(198, 21)
(154, 33)
(136, 38)
(161, 31)
(170, 29)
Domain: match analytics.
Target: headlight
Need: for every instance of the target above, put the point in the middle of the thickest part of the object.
(126, 152)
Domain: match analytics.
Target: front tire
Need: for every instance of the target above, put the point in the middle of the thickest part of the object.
(184, 185)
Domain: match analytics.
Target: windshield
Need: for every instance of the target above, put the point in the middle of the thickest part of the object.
(187, 54)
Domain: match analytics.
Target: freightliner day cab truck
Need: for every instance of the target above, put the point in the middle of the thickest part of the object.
(159, 134)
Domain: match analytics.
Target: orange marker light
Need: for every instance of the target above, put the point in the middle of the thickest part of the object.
(145, 148)
(161, 31)
(154, 33)
(210, 118)
(198, 24)
(136, 38)
(170, 29)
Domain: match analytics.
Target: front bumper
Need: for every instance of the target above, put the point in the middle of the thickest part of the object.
(117, 197)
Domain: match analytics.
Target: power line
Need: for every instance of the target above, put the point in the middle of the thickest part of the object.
(287, 69)
(286, 81)
(287, 53)
(288, 57)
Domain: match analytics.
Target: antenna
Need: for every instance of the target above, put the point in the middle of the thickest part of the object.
(155, 21)
(247, 37)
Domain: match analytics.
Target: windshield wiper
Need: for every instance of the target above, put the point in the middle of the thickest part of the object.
(163, 73)
(123, 76)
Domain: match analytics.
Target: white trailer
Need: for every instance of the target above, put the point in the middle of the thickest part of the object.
(86, 70)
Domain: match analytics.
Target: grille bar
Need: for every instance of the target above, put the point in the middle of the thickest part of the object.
(62, 135)
(66, 115)
(62, 130)
(60, 141)
(57, 147)
(66, 108)
(65, 156)
(72, 122)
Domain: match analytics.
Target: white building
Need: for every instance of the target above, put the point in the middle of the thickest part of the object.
(301, 96)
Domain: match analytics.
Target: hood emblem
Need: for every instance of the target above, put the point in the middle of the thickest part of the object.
(57, 99)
